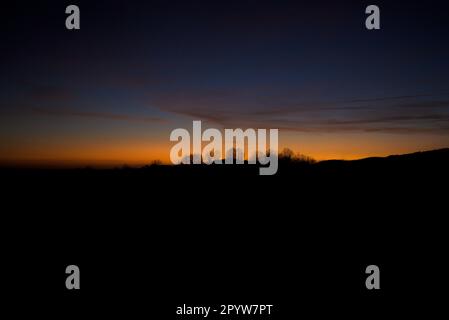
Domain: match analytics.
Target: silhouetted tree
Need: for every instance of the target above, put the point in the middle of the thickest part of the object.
(287, 154)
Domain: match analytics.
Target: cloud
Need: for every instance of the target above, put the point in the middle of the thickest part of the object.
(391, 119)
(394, 114)
(377, 129)
(98, 115)
(388, 98)
(346, 105)
(398, 124)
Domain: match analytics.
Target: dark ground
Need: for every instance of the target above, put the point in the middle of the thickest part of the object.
(147, 240)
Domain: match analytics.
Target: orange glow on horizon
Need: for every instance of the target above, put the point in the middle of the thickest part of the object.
(141, 154)
(138, 151)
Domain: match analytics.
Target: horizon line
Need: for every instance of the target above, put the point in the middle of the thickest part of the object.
(114, 164)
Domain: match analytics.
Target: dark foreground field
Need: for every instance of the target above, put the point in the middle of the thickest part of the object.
(150, 239)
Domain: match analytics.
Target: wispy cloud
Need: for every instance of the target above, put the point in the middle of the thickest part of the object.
(98, 115)
(421, 113)
(377, 129)
(391, 119)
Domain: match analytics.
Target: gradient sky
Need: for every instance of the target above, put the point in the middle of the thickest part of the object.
(112, 92)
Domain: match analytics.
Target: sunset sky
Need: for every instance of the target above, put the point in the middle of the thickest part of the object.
(112, 92)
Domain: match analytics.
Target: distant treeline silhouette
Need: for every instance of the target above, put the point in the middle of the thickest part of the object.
(287, 155)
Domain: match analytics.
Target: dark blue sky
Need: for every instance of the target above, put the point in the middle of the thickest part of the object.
(138, 69)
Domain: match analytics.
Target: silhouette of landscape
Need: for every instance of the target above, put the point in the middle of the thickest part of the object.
(310, 216)
(290, 164)
(300, 180)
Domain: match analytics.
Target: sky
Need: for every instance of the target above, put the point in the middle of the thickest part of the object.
(111, 92)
